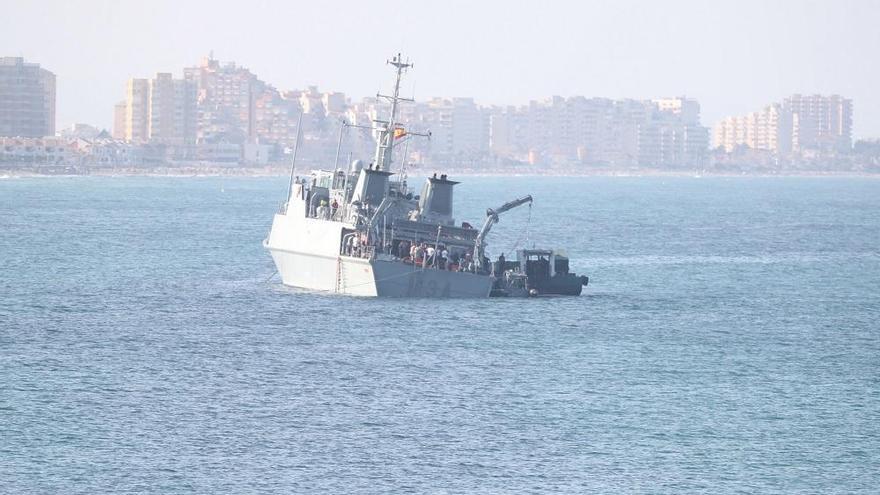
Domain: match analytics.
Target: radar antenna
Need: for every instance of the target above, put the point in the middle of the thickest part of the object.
(385, 142)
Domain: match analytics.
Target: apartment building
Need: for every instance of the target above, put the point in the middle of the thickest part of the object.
(226, 96)
(172, 116)
(159, 110)
(119, 110)
(222, 103)
(27, 99)
(822, 123)
(768, 129)
(601, 132)
(137, 111)
(797, 124)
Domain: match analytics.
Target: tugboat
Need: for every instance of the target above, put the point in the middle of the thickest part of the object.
(361, 232)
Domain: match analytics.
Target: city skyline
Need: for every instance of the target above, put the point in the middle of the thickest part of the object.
(732, 60)
(220, 104)
(221, 112)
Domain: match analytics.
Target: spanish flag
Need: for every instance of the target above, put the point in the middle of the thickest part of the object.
(399, 132)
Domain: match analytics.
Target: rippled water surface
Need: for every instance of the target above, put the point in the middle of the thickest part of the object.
(728, 342)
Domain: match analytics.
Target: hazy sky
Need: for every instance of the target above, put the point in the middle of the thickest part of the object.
(733, 56)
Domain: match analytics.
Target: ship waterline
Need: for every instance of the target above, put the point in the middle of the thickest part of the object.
(299, 247)
(375, 278)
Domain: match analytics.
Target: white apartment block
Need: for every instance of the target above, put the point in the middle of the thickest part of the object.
(602, 132)
(768, 129)
(820, 122)
(799, 123)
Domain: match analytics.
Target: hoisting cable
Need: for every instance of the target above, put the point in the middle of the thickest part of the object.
(525, 232)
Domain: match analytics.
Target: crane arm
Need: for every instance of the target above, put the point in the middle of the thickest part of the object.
(492, 219)
(509, 206)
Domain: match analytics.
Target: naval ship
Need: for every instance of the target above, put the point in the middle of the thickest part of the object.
(360, 231)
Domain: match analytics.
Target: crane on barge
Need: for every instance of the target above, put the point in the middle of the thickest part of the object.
(492, 219)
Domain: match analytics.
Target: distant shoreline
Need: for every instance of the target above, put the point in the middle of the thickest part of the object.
(255, 172)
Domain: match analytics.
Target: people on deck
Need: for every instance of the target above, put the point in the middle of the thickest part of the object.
(420, 254)
(403, 249)
(323, 211)
(467, 263)
(356, 245)
(430, 253)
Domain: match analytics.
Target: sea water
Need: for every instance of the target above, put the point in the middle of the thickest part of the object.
(728, 342)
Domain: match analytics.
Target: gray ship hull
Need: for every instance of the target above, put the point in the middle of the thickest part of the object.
(397, 279)
(374, 278)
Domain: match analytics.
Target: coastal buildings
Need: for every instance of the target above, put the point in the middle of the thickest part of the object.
(601, 132)
(158, 110)
(218, 112)
(119, 119)
(821, 123)
(769, 129)
(225, 101)
(172, 117)
(47, 150)
(222, 112)
(277, 114)
(459, 129)
(27, 99)
(798, 124)
(137, 111)
(76, 154)
(681, 141)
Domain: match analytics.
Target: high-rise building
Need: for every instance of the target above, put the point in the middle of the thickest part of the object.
(312, 101)
(334, 102)
(159, 110)
(27, 99)
(680, 139)
(819, 122)
(119, 121)
(799, 123)
(226, 97)
(137, 111)
(507, 131)
(603, 132)
(277, 115)
(728, 133)
(769, 129)
(687, 110)
(172, 110)
(216, 109)
(459, 128)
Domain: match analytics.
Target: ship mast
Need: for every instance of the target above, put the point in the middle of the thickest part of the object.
(385, 142)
